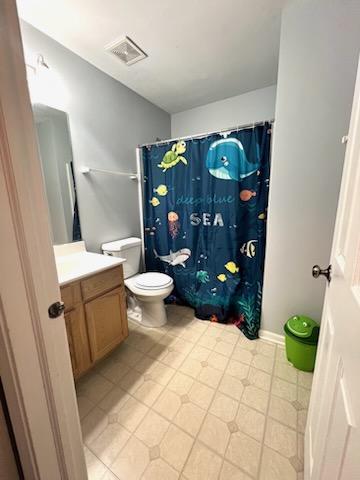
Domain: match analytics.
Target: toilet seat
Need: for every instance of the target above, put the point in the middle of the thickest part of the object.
(152, 281)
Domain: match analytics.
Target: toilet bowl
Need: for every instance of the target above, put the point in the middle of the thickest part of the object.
(150, 289)
(146, 291)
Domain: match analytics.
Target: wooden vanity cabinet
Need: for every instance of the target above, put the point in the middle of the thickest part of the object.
(104, 336)
(95, 317)
(78, 340)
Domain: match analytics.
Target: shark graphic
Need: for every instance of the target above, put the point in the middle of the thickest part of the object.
(175, 258)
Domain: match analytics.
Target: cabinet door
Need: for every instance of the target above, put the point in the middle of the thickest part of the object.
(107, 322)
(78, 340)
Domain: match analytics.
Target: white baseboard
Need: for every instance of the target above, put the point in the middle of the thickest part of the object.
(272, 337)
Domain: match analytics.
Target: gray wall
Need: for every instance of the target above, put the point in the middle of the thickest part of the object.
(319, 51)
(107, 121)
(250, 107)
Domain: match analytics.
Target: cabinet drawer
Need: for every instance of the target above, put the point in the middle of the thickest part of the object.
(101, 282)
(71, 295)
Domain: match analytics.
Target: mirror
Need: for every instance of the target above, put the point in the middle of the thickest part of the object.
(55, 151)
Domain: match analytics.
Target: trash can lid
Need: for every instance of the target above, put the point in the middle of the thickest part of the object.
(301, 326)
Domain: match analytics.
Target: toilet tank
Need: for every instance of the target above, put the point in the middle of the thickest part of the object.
(128, 248)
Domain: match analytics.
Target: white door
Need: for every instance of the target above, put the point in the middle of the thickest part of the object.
(332, 437)
(35, 363)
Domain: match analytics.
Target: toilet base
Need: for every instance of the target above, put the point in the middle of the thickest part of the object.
(149, 314)
(148, 305)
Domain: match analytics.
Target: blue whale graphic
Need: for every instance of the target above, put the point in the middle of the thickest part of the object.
(226, 159)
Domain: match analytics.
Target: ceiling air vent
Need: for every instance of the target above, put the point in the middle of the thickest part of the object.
(126, 50)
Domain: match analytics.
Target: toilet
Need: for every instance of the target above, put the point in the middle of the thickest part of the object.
(146, 291)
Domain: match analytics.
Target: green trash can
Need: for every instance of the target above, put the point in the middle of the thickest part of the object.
(301, 337)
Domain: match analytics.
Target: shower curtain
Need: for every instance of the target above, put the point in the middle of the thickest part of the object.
(205, 207)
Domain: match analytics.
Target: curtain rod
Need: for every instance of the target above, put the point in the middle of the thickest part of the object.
(206, 134)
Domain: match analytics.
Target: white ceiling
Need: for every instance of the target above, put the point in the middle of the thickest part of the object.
(199, 51)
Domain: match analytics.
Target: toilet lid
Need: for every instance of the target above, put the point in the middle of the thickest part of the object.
(153, 280)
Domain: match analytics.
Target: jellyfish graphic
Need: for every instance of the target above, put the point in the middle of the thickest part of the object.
(173, 224)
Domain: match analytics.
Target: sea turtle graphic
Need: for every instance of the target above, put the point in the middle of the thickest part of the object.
(173, 157)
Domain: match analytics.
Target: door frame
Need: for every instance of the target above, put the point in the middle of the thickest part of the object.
(35, 364)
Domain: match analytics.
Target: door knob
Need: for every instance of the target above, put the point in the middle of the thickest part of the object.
(56, 309)
(317, 271)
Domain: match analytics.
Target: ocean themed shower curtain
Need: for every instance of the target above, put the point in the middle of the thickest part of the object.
(205, 207)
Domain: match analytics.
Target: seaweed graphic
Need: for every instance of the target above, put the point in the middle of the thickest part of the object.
(250, 306)
(192, 297)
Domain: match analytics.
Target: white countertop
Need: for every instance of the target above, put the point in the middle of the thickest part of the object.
(80, 264)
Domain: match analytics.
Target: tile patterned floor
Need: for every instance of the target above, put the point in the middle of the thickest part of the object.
(194, 401)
